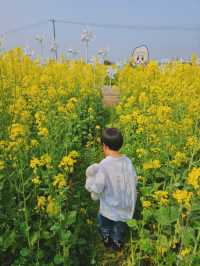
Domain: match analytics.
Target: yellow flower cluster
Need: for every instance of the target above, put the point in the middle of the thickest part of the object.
(48, 203)
(154, 164)
(179, 159)
(34, 143)
(68, 161)
(44, 160)
(34, 163)
(52, 206)
(17, 130)
(194, 178)
(193, 143)
(161, 197)
(41, 201)
(184, 252)
(182, 196)
(40, 118)
(140, 152)
(43, 132)
(146, 204)
(59, 181)
(36, 180)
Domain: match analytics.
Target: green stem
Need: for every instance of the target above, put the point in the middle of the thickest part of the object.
(196, 243)
(25, 207)
(132, 255)
(38, 242)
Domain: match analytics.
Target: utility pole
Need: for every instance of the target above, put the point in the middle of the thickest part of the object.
(54, 37)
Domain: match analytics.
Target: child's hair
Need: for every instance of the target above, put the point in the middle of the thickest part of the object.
(112, 138)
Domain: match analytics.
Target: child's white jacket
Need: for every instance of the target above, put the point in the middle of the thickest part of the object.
(115, 183)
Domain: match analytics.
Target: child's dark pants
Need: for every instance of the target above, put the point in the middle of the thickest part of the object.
(112, 229)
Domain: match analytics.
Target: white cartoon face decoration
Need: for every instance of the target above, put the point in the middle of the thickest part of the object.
(140, 55)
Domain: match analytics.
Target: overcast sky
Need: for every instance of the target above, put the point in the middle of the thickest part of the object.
(121, 42)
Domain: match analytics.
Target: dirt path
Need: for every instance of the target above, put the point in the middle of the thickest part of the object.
(110, 95)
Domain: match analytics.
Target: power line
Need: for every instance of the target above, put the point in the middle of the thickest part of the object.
(106, 26)
(26, 27)
(131, 27)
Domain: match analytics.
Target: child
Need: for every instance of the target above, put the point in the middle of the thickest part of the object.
(115, 186)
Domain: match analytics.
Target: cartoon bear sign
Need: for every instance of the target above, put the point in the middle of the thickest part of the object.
(140, 55)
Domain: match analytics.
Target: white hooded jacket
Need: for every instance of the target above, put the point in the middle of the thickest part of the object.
(115, 185)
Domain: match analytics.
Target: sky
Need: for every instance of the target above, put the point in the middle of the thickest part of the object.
(120, 42)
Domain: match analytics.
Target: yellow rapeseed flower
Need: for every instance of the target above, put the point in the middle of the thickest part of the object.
(3, 144)
(74, 154)
(59, 181)
(143, 99)
(35, 162)
(179, 159)
(140, 152)
(194, 178)
(40, 118)
(89, 221)
(43, 132)
(140, 177)
(83, 210)
(182, 196)
(2, 164)
(34, 143)
(41, 201)
(52, 207)
(146, 204)
(97, 127)
(161, 250)
(90, 110)
(36, 180)
(154, 164)
(46, 160)
(71, 104)
(17, 130)
(161, 197)
(69, 160)
(184, 252)
(192, 142)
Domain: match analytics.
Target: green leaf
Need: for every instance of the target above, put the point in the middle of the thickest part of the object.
(40, 254)
(132, 224)
(58, 259)
(166, 215)
(34, 238)
(187, 235)
(196, 261)
(71, 217)
(1, 241)
(56, 227)
(171, 258)
(146, 245)
(23, 228)
(195, 207)
(46, 235)
(196, 225)
(174, 214)
(162, 241)
(9, 240)
(24, 252)
(65, 236)
(147, 214)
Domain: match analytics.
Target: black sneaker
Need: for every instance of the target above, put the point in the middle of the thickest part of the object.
(107, 241)
(117, 245)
